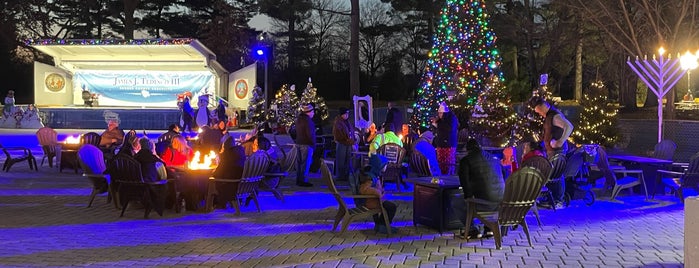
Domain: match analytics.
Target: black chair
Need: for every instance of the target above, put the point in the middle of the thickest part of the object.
(18, 154)
(126, 173)
(91, 138)
(680, 181)
(92, 163)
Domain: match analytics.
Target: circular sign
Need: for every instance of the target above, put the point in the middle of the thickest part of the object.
(241, 89)
(55, 82)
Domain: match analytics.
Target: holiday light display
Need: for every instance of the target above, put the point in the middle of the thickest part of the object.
(493, 117)
(86, 42)
(287, 105)
(310, 95)
(462, 58)
(598, 121)
(256, 109)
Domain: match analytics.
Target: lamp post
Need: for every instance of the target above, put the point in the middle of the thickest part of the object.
(261, 53)
(688, 61)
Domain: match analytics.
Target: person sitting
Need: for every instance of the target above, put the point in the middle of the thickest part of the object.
(388, 136)
(150, 170)
(481, 179)
(231, 163)
(425, 147)
(130, 147)
(165, 138)
(369, 184)
(113, 136)
(178, 153)
(531, 149)
(210, 139)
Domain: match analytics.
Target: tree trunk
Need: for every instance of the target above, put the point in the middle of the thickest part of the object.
(627, 89)
(129, 9)
(670, 105)
(578, 71)
(354, 49)
(534, 73)
(515, 62)
(291, 47)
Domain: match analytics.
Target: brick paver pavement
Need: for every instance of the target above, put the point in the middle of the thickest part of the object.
(44, 221)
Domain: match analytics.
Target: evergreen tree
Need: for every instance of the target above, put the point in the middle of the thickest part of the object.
(256, 113)
(493, 117)
(310, 95)
(462, 58)
(598, 120)
(287, 106)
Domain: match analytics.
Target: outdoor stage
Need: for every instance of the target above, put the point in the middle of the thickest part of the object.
(80, 117)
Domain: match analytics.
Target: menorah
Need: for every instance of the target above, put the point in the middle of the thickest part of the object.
(660, 75)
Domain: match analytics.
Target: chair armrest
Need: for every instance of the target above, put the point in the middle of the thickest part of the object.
(276, 174)
(360, 196)
(160, 182)
(25, 149)
(480, 201)
(95, 175)
(226, 180)
(628, 171)
(668, 172)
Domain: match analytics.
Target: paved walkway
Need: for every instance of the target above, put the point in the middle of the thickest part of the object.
(44, 222)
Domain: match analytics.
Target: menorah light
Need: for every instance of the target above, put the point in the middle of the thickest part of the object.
(660, 75)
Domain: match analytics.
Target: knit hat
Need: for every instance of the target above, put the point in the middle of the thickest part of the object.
(427, 135)
(307, 108)
(343, 110)
(443, 108)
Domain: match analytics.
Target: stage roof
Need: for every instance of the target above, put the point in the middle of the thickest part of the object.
(158, 54)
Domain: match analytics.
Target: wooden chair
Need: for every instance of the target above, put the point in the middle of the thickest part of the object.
(679, 181)
(18, 154)
(544, 166)
(91, 161)
(665, 150)
(253, 172)
(91, 138)
(611, 180)
(521, 191)
(49, 144)
(393, 172)
(345, 214)
(419, 164)
(126, 173)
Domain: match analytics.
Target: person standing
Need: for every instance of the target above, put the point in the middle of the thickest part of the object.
(480, 176)
(342, 133)
(394, 116)
(305, 143)
(9, 103)
(557, 129)
(447, 139)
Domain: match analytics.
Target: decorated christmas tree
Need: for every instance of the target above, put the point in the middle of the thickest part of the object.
(530, 124)
(287, 104)
(256, 113)
(598, 120)
(462, 58)
(493, 117)
(310, 95)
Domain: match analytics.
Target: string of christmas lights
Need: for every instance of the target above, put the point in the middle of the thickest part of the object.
(309, 95)
(287, 104)
(87, 42)
(462, 58)
(493, 118)
(256, 112)
(598, 120)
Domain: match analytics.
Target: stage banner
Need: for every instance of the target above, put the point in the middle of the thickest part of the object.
(240, 85)
(143, 88)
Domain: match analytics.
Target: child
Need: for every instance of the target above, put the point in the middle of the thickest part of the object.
(370, 185)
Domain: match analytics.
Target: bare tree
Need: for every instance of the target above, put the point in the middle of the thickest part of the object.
(640, 27)
(376, 37)
(326, 23)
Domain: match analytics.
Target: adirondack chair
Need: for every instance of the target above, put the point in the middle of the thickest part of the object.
(558, 162)
(91, 138)
(521, 191)
(126, 173)
(253, 172)
(49, 144)
(665, 150)
(18, 154)
(420, 165)
(393, 172)
(611, 180)
(345, 214)
(680, 181)
(91, 161)
(544, 166)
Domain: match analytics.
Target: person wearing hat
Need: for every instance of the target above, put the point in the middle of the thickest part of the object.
(113, 136)
(342, 133)
(369, 184)
(424, 146)
(305, 143)
(446, 139)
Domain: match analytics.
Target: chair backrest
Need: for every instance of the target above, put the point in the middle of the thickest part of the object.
(603, 166)
(256, 165)
(91, 159)
(665, 149)
(90, 138)
(248, 186)
(558, 162)
(125, 168)
(521, 191)
(574, 163)
(393, 152)
(327, 177)
(693, 164)
(540, 163)
(47, 136)
(419, 164)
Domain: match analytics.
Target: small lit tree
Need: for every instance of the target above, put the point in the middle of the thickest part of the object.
(286, 103)
(256, 113)
(310, 95)
(493, 117)
(598, 120)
